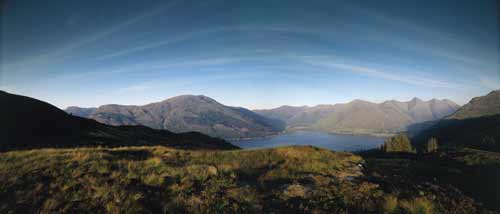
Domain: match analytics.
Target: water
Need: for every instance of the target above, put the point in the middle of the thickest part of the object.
(337, 142)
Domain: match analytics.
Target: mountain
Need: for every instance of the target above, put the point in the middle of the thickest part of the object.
(80, 112)
(30, 123)
(188, 113)
(476, 124)
(362, 117)
(297, 117)
(479, 107)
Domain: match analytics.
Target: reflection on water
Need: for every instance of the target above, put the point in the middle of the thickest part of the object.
(337, 142)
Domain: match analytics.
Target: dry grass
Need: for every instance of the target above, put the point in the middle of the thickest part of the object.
(165, 180)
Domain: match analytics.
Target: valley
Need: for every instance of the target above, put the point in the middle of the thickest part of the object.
(93, 167)
(249, 107)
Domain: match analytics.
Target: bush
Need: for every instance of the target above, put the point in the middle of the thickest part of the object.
(417, 206)
(399, 143)
(390, 205)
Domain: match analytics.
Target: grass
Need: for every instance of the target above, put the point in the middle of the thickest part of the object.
(165, 180)
(455, 181)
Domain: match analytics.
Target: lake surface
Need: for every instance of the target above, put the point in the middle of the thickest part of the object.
(337, 142)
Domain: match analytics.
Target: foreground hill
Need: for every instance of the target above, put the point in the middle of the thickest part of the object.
(30, 123)
(363, 117)
(165, 180)
(476, 124)
(187, 113)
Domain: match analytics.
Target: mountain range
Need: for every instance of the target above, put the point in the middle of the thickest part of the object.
(29, 123)
(205, 115)
(187, 113)
(362, 117)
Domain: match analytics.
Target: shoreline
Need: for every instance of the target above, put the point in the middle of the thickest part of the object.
(377, 135)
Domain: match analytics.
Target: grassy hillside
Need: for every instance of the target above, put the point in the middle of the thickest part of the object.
(164, 180)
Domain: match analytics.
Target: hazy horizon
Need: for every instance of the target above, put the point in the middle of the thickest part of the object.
(258, 55)
(326, 103)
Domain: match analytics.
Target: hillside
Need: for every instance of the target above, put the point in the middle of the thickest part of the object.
(476, 124)
(363, 117)
(487, 105)
(30, 123)
(188, 113)
(165, 180)
(80, 112)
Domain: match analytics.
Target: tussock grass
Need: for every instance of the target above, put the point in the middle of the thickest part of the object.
(158, 179)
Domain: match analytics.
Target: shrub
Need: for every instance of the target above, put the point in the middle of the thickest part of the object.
(390, 205)
(417, 206)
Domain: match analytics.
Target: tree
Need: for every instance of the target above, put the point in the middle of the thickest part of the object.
(431, 145)
(398, 143)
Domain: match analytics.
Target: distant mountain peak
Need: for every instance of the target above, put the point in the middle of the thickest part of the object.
(359, 101)
(190, 113)
(193, 98)
(416, 99)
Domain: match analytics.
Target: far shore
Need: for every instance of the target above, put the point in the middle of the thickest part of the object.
(289, 131)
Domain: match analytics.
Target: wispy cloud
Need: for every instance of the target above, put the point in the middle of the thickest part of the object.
(180, 82)
(89, 39)
(426, 40)
(194, 34)
(373, 72)
(148, 66)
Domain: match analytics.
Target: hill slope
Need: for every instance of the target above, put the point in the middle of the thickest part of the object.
(363, 117)
(476, 124)
(189, 113)
(30, 123)
(479, 107)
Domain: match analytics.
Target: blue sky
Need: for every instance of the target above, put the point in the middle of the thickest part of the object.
(256, 54)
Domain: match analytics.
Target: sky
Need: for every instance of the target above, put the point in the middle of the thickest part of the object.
(254, 54)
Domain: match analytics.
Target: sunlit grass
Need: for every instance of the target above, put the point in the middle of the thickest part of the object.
(165, 180)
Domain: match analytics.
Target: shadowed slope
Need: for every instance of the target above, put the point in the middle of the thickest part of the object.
(30, 123)
(473, 124)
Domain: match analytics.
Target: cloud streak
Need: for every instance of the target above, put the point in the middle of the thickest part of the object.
(435, 42)
(191, 35)
(372, 72)
(82, 42)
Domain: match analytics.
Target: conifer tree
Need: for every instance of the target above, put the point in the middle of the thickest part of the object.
(431, 145)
